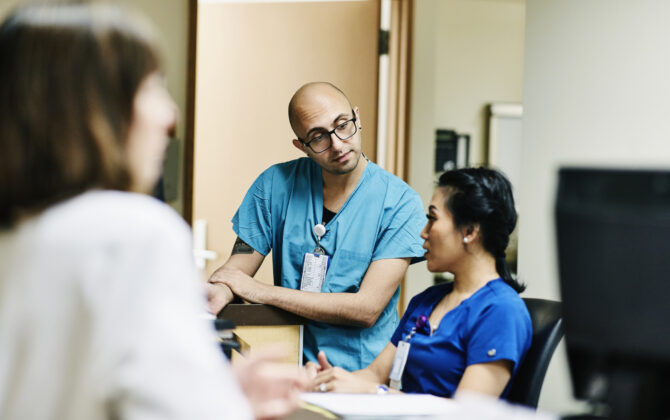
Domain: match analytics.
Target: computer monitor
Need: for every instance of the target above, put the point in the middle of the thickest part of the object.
(613, 236)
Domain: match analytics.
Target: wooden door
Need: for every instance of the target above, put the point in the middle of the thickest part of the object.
(251, 57)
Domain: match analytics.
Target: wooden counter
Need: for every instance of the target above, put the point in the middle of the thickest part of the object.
(258, 325)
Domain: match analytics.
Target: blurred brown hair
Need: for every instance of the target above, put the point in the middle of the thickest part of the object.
(68, 78)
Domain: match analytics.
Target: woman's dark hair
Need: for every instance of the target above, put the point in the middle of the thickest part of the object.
(69, 74)
(480, 196)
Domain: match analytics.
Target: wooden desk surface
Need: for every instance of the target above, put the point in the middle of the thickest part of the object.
(256, 314)
(305, 414)
(258, 325)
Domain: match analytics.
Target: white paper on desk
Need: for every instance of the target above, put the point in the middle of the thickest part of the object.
(373, 405)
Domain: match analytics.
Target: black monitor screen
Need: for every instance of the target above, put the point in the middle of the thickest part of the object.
(613, 235)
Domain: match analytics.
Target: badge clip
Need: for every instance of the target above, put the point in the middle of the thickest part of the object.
(319, 231)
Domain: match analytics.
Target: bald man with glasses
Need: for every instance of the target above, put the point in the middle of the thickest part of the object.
(342, 230)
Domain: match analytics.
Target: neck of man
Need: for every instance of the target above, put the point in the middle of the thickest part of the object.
(338, 187)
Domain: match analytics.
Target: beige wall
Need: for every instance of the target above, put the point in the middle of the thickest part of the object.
(251, 59)
(421, 123)
(466, 54)
(596, 91)
(170, 17)
(6, 6)
(479, 59)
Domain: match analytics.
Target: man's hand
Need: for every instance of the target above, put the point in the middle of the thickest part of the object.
(218, 296)
(239, 283)
(273, 389)
(242, 265)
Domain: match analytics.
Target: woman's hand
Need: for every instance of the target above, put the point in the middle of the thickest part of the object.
(312, 369)
(336, 379)
(339, 380)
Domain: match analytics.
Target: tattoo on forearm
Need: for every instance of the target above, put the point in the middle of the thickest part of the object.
(241, 247)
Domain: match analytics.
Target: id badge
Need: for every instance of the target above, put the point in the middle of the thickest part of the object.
(314, 269)
(399, 362)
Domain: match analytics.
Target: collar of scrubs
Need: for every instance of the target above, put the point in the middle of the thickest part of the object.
(317, 189)
(327, 216)
(427, 328)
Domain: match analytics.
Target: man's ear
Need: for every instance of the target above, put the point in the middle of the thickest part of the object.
(358, 117)
(299, 145)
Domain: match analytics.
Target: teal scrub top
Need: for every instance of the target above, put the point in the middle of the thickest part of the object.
(381, 219)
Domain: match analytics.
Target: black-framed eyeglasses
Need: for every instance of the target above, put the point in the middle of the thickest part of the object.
(320, 141)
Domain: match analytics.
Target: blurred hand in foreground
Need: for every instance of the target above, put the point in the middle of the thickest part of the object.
(273, 389)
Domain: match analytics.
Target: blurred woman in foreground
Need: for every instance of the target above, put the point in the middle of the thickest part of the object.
(99, 300)
(469, 334)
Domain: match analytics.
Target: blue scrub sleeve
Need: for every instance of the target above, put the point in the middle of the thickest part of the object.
(500, 333)
(253, 221)
(402, 225)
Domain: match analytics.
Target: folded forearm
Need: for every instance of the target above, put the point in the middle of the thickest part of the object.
(334, 308)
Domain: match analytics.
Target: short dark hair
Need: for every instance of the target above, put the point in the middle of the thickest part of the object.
(68, 79)
(481, 196)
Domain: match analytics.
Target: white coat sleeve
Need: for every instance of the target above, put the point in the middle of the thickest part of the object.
(166, 363)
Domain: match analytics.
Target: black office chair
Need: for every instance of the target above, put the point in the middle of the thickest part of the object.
(547, 332)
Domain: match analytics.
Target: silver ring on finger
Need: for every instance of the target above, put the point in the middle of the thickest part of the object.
(322, 387)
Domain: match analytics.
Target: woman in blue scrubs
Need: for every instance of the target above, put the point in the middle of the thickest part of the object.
(469, 334)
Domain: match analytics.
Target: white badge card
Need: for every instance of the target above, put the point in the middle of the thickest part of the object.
(399, 362)
(314, 269)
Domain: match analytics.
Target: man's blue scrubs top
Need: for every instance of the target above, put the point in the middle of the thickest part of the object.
(381, 219)
(492, 324)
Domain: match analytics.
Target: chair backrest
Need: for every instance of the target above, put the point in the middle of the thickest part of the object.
(547, 332)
